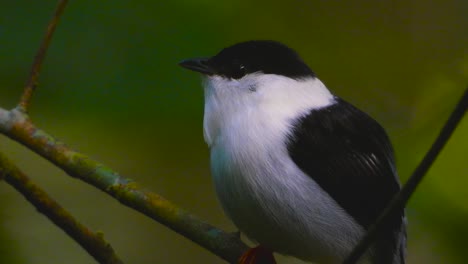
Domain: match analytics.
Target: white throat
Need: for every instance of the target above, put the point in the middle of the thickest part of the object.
(259, 101)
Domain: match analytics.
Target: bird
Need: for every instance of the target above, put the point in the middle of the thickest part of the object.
(297, 169)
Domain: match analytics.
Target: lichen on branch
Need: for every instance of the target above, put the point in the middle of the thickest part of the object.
(93, 243)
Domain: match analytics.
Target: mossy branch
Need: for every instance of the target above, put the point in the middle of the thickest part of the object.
(17, 125)
(93, 243)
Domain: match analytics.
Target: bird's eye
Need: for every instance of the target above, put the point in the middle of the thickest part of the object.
(238, 71)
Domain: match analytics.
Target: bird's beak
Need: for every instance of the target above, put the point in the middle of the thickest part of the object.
(200, 65)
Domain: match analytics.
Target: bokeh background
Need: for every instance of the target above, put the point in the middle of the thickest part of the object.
(111, 88)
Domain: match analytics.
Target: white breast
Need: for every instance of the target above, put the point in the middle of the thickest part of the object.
(260, 188)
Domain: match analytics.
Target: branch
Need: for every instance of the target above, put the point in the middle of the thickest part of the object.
(16, 125)
(93, 243)
(31, 83)
(400, 199)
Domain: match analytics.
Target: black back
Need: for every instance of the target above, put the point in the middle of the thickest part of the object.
(350, 156)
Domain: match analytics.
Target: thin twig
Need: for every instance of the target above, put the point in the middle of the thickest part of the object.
(400, 200)
(93, 243)
(16, 125)
(31, 83)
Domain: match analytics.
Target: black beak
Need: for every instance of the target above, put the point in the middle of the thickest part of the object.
(200, 65)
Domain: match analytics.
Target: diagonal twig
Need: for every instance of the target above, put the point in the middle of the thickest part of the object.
(16, 125)
(93, 243)
(31, 83)
(402, 197)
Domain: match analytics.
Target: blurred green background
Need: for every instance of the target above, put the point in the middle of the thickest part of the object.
(111, 88)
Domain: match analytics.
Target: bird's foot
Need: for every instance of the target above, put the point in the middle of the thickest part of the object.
(257, 255)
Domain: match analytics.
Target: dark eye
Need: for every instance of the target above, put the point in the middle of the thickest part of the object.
(238, 71)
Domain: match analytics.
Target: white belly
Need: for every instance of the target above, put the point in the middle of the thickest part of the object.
(260, 188)
(274, 203)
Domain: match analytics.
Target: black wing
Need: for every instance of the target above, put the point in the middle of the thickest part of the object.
(350, 156)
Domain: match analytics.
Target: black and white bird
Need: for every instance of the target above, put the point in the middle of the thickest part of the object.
(296, 168)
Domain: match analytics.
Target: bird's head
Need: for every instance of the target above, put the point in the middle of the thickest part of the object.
(254, 77)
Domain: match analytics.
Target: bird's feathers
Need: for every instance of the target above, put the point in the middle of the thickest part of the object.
(297, 169)
(349, 155)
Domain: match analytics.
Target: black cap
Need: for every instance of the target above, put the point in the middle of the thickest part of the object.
(266, 56)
